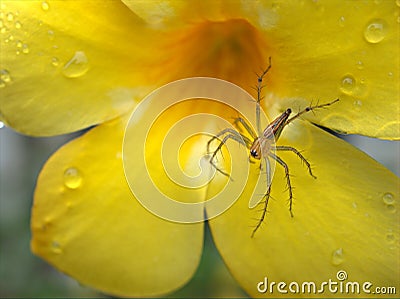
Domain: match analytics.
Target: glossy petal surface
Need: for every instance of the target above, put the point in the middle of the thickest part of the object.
(67, 65)
(86, 222)
(346, 219)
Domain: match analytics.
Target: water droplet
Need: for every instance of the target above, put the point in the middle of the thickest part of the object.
(72, 178)
(4, 29)
(45, 6)
(25, 49)
(390, 238)
(2, 125)
(398, 3)
(357, 104)
(10, 17)
(19, 44)
(348, 84)
(354, 204)
(375, 31)
(5, 76)
(337, 257)
(77, 66)
(390, 74)
(18, 25)
(388, 198)
(56, 247)
(50, 34)
(360, 65)
(55, 61)
(391, 209)
(342, 21)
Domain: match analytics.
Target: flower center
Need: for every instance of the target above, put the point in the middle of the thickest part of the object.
(232, 50)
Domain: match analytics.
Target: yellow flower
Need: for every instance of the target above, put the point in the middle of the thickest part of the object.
(69, 65)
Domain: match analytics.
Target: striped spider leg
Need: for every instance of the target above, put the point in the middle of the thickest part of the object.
(263, 145)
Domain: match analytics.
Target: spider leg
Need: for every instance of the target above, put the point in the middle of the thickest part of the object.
(264, 211)
(232, 134)
(302, 158)
(246, 126)
(310, 108)
(288, 182)
(225, 131)
(259, 98)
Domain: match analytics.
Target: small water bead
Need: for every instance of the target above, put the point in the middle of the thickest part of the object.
(388, 198)
(55, 61)
(342, 21)
(360, 65)
(10, 17)
(77, 66)
(50, 34)
(19, 44)
(348, 84)
(56, 247)
(357, 104)
(391, 209)
(390, 238)
(375, 31)
(45, 6)
(72, 178)
(5, 76)
(18, 25)
(25, 49)
(337, 257)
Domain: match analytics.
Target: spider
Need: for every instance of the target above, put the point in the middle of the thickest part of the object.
(262, 145)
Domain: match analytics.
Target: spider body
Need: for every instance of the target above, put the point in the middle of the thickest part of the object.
(262, 145)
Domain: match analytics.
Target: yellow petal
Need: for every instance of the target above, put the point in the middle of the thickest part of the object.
(86, 222)
(346, 219)
(67, 65)
(323, 50)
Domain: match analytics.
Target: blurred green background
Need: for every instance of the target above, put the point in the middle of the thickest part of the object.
(24, 275)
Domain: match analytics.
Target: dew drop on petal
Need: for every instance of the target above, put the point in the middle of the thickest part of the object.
(25, 49)
(72, 178)
(337, 257)
(1, 123)
(56, 247)
(45, 6)
(55, 61)
(390, 238)
(18, 25)
(342, 21)
(391, 209)
(375, 31)
(50, 34)
(360, 65)
(10, 17)
(77, 66)
(5, 76)
(357, 104)
(348, 84)
(388, 198)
